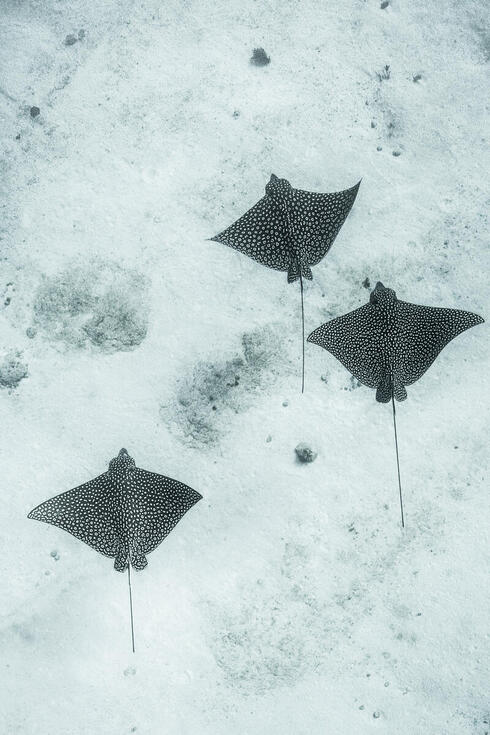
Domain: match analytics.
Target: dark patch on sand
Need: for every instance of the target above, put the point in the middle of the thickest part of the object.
(12, 370)
(103, 305)
(208, 397)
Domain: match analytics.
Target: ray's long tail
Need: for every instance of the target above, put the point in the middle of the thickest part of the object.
(397, 459)
(303, 330)
(130, 603)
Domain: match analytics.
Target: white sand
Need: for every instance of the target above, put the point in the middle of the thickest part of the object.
(288, 601)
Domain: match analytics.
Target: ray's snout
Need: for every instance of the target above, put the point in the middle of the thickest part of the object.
(382, 295)
(122, 462)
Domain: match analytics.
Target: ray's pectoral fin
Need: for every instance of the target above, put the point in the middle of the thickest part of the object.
(294, 270)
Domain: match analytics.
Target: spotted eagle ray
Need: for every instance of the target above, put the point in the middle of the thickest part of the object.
(388, 344)
(290, 230)
(124, 513)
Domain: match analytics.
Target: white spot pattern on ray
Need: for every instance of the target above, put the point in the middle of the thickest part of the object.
(288, 228)
(124, 513)
(388, 344)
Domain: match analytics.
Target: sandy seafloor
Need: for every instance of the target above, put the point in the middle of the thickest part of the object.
(287, 601)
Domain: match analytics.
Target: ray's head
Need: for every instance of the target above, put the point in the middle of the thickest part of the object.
(122, 463)
(277, 189)
(382, 296)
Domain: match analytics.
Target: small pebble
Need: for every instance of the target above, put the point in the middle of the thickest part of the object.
(35, 111)
(130, 671)
(31, 332)
(366, 283)
(55, 555)
(397, 153)
(378, 148)
(373, 124)
(361, 707)
(324, 378)
(269, 439)
(384, 4)
(285, 403)
(417, 77)
(236, 113)
(70, 39)
(305, 453)
(259, 57)
(17, 137)
(376, 714)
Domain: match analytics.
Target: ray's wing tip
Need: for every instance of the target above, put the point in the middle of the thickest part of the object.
(316, 334)
(353, 191)
(217, 238)
(475, 319)
(192, 496)
(313, 337)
